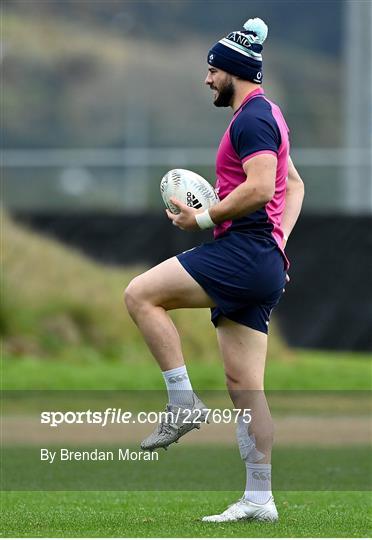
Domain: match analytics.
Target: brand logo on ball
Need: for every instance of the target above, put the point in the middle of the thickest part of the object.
(189, 187)
(192, 201)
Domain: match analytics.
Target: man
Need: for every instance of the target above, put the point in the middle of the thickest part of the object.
(240, 275)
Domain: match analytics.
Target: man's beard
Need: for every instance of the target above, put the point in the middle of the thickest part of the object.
(225, 95)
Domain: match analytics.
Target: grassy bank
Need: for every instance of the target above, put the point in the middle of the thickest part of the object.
(58, 304)
(63, 325)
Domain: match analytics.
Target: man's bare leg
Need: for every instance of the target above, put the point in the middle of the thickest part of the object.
(244, 354)
(148, 298)
(244, 351)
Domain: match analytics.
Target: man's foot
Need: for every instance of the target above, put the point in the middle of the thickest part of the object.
(244, 509)
(177, 422)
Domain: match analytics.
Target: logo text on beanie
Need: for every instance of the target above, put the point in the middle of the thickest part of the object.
(239, 38)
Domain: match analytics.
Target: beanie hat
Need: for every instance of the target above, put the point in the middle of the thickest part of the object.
(239, 53)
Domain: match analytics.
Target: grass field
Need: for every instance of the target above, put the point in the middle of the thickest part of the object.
(187, 466)
(304, 370)
(167, 514)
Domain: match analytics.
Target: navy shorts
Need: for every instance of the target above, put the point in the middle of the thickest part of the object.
(242, 273)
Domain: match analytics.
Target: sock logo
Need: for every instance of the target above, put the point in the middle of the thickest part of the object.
(192, 201)
(261, 475)
(178, 378)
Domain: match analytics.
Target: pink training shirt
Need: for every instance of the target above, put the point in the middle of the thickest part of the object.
(258, 127)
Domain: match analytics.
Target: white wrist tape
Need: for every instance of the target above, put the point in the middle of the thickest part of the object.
(204, 220)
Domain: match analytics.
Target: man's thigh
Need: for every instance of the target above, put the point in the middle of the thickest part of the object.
(169, 285)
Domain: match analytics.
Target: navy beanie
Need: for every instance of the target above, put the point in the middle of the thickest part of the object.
(239, 53)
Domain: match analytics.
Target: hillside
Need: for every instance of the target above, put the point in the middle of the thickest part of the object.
(79, 76)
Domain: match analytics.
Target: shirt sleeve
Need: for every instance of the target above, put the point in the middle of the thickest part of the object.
(252, 134)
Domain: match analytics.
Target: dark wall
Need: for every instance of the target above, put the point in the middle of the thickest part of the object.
(329, 300)
(327, 304)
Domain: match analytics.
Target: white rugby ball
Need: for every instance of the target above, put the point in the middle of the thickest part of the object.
(189, 188)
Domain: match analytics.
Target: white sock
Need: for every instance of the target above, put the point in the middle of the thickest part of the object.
(258, 487)
(179, 386)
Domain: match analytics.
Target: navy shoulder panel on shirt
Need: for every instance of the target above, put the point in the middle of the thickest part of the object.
(255, 129)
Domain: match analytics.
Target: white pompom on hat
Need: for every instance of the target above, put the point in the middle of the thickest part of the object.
(259, 27)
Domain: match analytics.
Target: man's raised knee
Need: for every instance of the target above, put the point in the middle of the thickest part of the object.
(133, 296)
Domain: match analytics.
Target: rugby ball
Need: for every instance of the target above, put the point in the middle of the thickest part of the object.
(189, 188)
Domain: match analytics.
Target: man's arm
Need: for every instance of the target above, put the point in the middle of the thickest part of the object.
(293, 200)
(254, 193)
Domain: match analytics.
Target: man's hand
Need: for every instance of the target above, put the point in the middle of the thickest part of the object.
(185, 220)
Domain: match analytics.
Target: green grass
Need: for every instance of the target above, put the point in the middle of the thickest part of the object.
(168, 514)
(305, 370)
